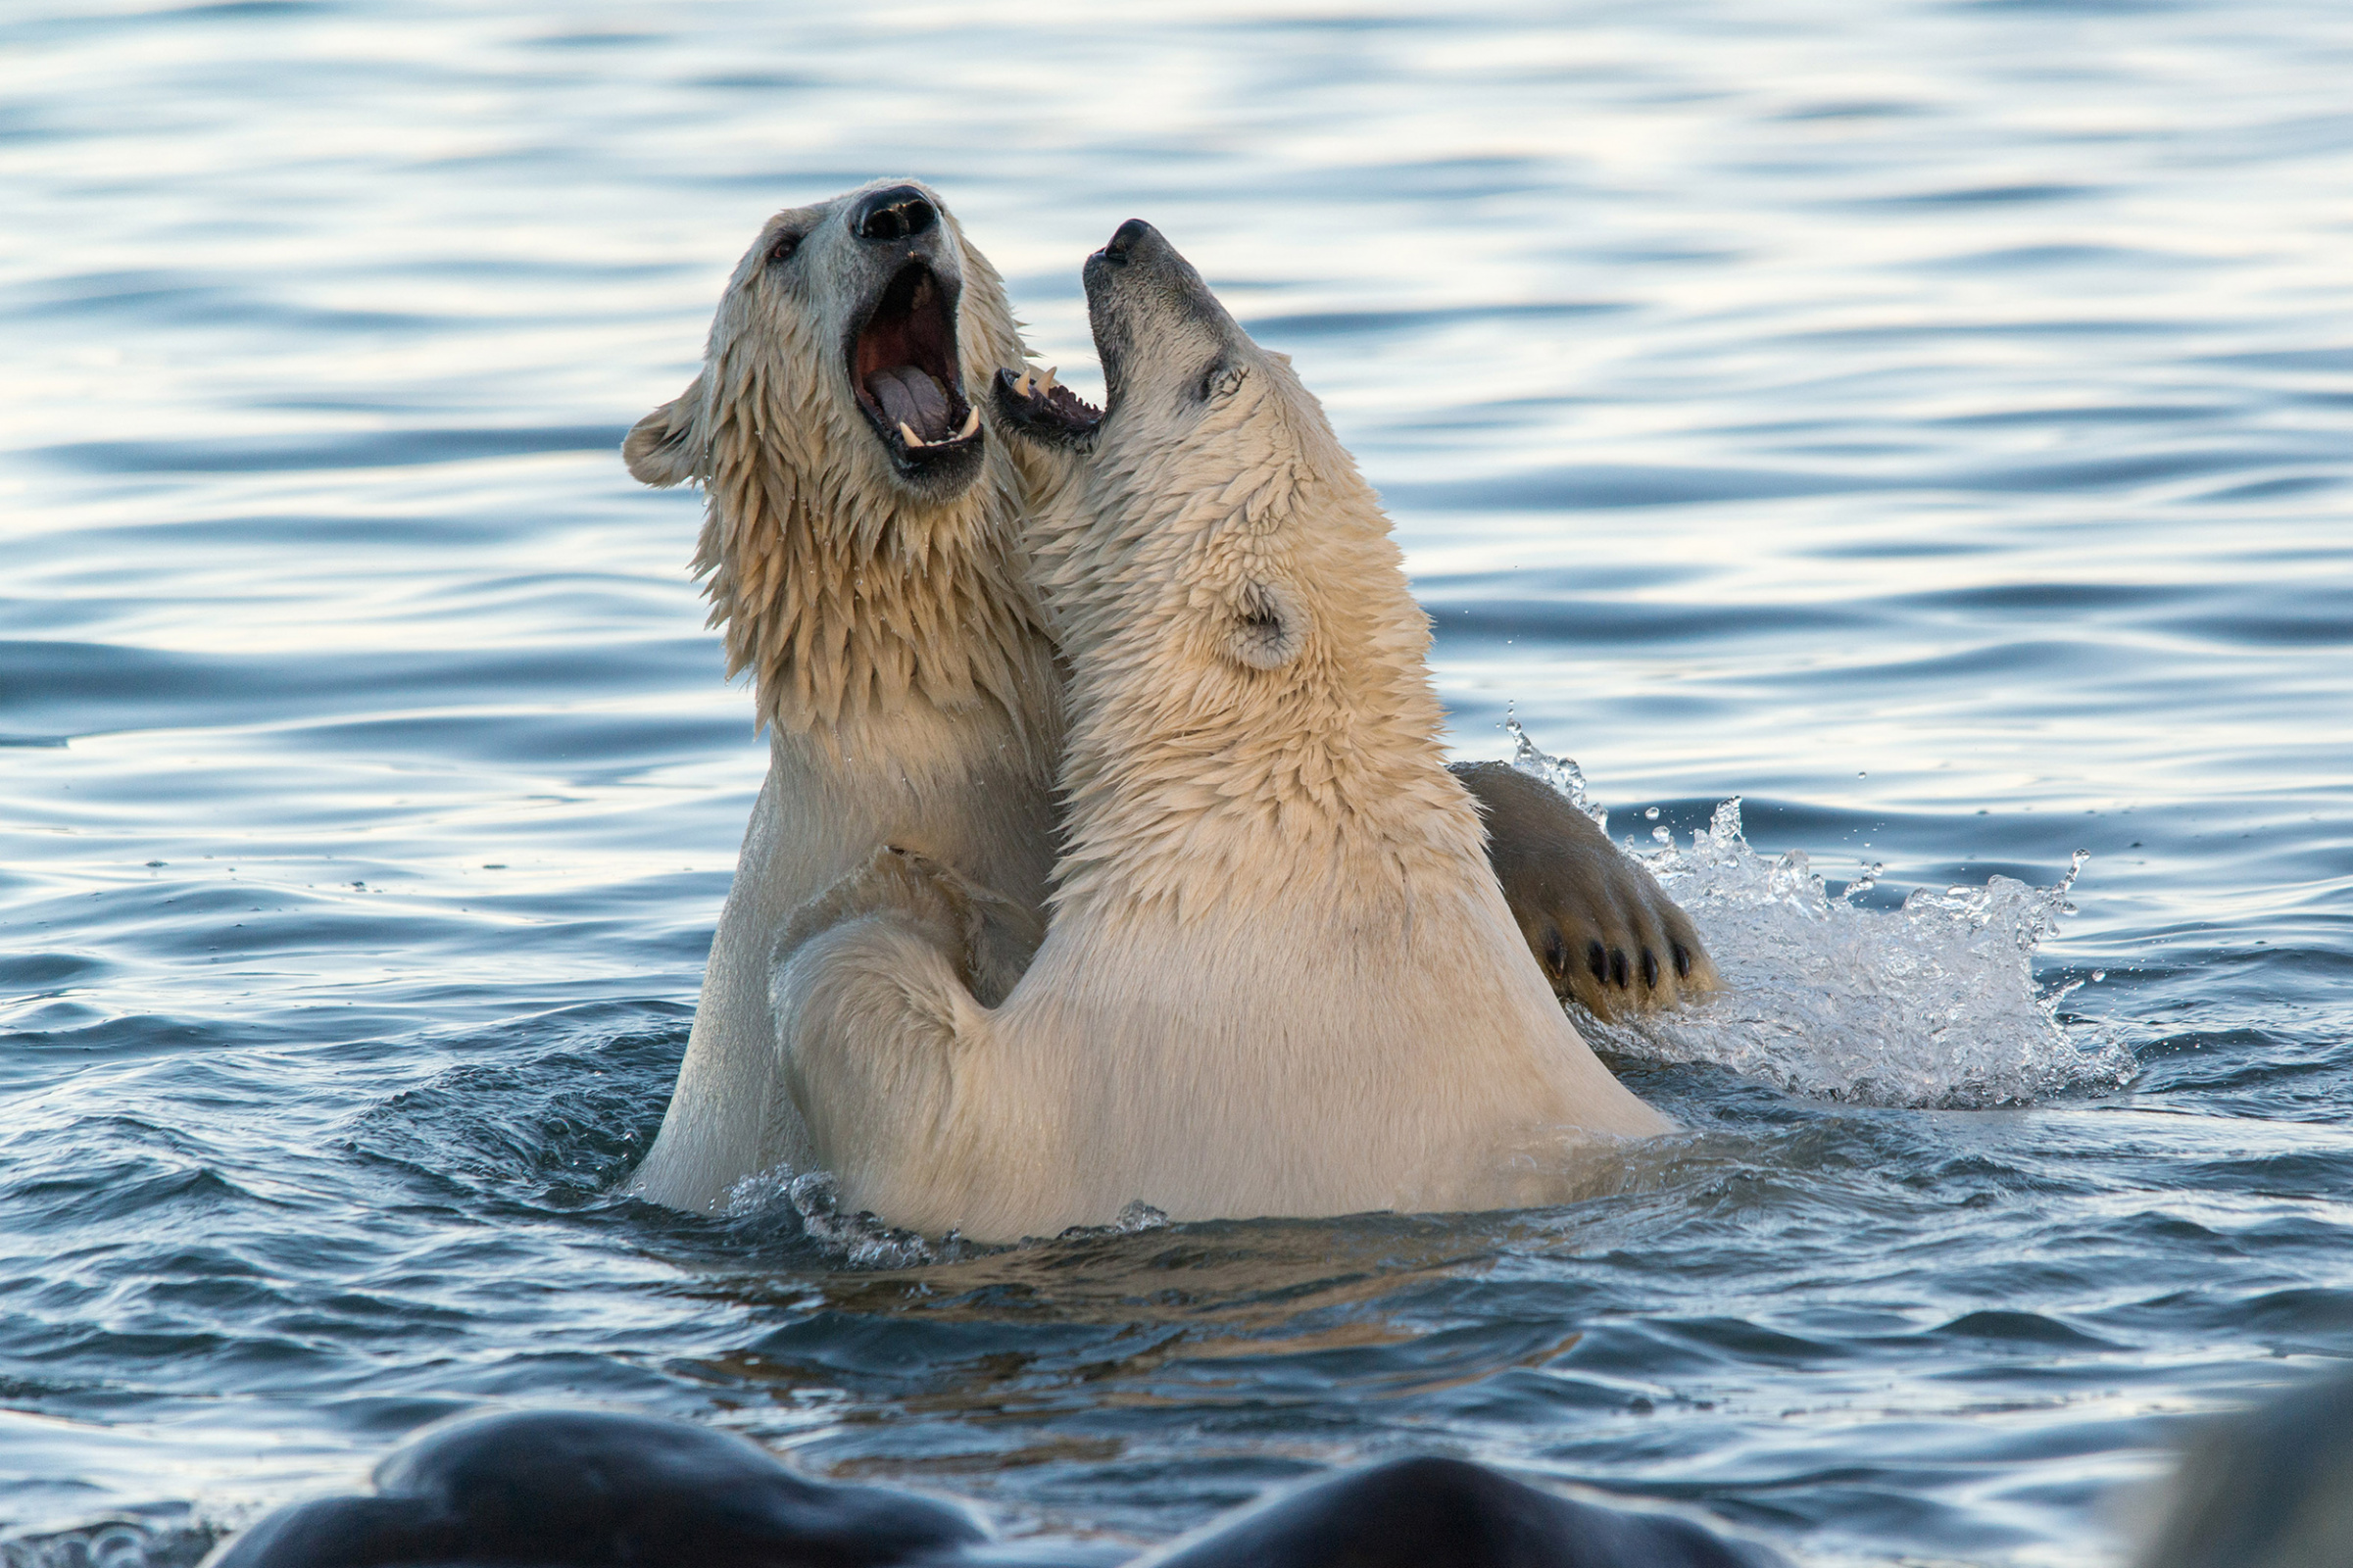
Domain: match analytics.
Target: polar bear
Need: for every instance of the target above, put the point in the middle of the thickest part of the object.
(1280, 977)
(862, 552)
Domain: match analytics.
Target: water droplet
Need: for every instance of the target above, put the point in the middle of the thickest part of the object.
(1562, 773)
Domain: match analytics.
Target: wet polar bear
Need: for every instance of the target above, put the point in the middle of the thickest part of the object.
(862, 553)
(1280, 977)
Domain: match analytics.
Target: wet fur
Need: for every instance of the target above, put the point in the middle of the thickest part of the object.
(1280, 977)
(908, 680)
(903, 672)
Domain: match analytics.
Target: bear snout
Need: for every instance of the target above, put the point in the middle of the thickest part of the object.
(899, 211)
(1131, 236)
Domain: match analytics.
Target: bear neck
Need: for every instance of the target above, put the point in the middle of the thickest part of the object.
(1319, 787)
(862, 613)
(1337, 808)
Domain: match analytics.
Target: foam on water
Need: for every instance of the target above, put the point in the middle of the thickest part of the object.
(113, 1543)
(811, 1201)
(1935, 1004)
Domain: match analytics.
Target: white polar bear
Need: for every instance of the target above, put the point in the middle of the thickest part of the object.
(1280, 977)
(862, 552)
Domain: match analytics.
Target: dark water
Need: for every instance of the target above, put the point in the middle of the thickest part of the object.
(1927, 421)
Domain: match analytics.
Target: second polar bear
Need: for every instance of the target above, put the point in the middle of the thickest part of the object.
(1279, 977)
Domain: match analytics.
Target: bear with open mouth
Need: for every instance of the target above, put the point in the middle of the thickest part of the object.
(864, 551)
(1279, 976)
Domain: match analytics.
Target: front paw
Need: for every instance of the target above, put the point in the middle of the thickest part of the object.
(1601, 928)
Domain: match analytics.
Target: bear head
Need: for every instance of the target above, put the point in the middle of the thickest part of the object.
(1235, 615)
(844, 332)
(862, 517)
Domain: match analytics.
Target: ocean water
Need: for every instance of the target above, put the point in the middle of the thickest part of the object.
(1926, 423)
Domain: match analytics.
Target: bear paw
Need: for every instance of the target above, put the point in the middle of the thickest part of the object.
(923, 892)
(1601, 928)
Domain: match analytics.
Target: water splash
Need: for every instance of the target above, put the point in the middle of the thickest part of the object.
(863, 1240)
(1562, 773)
(113, 1543)
(1933, 1004)
(811, 1203)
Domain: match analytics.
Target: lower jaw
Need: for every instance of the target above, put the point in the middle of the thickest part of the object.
(933, 466)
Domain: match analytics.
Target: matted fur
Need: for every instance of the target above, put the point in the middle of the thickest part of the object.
(900, 664)
(910, 691)
(847, 594)
(1194, 760)
(1280, 977)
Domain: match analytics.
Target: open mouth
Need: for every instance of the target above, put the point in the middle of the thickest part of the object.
(903, 364)
(1037, 404)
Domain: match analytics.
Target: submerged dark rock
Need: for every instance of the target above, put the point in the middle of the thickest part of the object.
(584, 1489)
(2271, 1488)
(1417, 1514)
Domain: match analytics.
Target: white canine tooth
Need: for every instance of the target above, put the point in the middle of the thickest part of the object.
(1046, 380)
(1022, 386)
(971, 423)
(910, 437)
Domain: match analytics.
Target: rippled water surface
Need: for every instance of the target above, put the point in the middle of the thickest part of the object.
(1925, 422)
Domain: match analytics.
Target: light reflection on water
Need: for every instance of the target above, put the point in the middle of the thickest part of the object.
(1929, 426)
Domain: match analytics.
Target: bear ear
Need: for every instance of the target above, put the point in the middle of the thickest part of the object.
(1269, 627)
(666, 447)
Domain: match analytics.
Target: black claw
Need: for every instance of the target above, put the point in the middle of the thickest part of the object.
(1682, 961)
(1650, 969)
(1557, 952)
(1598, 961)
(1617, 966)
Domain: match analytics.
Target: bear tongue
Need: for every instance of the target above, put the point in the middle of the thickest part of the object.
(911, 396)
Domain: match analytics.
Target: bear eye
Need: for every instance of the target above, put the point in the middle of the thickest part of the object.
(1220, 381)
(785, 245)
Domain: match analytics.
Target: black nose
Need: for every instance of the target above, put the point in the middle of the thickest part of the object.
(899, 213)
(1130, 236)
